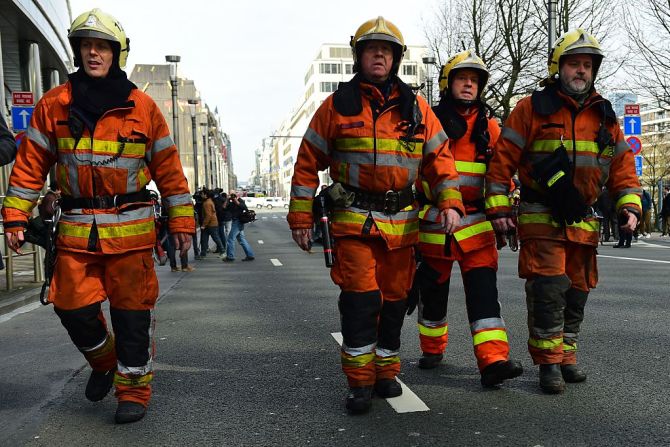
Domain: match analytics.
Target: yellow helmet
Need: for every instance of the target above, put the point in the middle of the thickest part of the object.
(100, 25)
(576, 41)
(378, 29)
(464, 59)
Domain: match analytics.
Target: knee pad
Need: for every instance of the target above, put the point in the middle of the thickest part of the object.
(359, 312)
(481, 294)
(84, 325)
(133, 331)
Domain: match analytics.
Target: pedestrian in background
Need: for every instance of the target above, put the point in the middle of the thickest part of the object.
(224, 218)
(665, 213)
(209, 226)
(236, 206)
(647, 205)
(7, 143)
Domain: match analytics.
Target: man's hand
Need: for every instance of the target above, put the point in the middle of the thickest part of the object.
(503, 225)
(15, 240)
(630, 220)
(303, 237)
(451, 220)
(182, 242)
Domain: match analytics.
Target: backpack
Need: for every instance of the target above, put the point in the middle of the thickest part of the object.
(247, 216)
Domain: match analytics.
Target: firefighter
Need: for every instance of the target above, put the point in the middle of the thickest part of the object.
(472, 133)
(107, 140)
(566, 144)
(377, 137)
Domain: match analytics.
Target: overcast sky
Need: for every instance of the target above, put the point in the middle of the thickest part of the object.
(249, 58)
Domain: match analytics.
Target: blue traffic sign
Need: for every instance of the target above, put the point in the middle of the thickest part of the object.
(632, 125)
(21, 117)
(638, 165)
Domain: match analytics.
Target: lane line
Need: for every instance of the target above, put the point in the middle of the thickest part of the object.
(276, 262)
(634, 259)
(407, 402)
(649, 244)
(19, 311)
(260, 242)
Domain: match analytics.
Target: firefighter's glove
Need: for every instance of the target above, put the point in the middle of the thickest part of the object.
(37, 232)
(413, 295)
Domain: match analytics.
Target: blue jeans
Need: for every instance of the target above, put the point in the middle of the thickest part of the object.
(237, 232)
(224, 229)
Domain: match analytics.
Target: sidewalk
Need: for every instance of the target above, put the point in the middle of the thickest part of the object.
(25, 290)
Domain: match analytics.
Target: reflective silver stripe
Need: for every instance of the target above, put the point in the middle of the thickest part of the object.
(487, 323)
(621, 147)
(435, 142)
(316, 140)
(432, 215)
(627, 191)
(93, 348)
(377, 215)
(429, 323)
(442, 186)
(70, 216)
(471, 181)
(384, 353)
(177, 199)
(412, 176)
(302, 191)
(513, 136)
(423, 227)
(148, 367)
(73, 178)
(497, 188)
(354, 175)
(472, 219)
(546, 333)
(162, 144)
(358, 351)
(23, 193)
(42, 140)
(131, 181)
(571, 336)
(123, 217)
(71, 159)
(527, 207)
(393, 160)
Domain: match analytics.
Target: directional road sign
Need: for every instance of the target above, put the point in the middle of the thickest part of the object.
(632, 125)
(635, 144)
(638, 165)
(21, 117)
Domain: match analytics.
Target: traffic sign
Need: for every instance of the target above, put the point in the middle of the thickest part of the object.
(635, 144)
(632, 125)
(631, 109)
(638, 165)
(23, 98)
(21, 117)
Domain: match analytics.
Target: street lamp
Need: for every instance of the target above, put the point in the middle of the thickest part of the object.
(205, 148)
(429, 61)
(192, 103)
(173, 60)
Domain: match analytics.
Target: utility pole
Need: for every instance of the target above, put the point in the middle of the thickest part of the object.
(551, 23)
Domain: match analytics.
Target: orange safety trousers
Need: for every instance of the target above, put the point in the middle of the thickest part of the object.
(81, 282)
(478, 271)
(374, 283)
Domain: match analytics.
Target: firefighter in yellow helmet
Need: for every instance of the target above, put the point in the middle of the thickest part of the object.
(566, 144)
(376, 137)
(473, 132)
(107, 140)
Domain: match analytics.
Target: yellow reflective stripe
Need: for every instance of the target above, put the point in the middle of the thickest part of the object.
(385, 361)
(426, 190)
(344, 172)
(628, 198)
(554, 178)
(544, 218)
(569, 347)
(433, 331)
(180, 211)
(473, 230)
(394, 229)
(19, 204)
(126, 230)
(300, 206)
(552, 145)
(142, 177)
(470, 167)
(449, 194)
(432, 238)
(496, 201)
(63, 180)
(133, 381)
(102, 146)
(366, 144)
(545, 344)
(483, 337)
(357, 361)
(67, 229)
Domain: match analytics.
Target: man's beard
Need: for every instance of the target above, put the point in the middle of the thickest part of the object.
(573, 89)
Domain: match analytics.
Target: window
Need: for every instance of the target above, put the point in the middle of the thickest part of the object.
(330, 68)
(309, 74)
(339, 53)
(409, 70)
(309, 92)
(348, 69)
(328, 87)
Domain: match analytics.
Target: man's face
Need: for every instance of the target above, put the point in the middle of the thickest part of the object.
(377, 60)
(465, 84)
(576, 72)
(96, 56)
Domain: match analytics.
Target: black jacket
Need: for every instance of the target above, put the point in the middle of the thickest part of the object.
(7, 143)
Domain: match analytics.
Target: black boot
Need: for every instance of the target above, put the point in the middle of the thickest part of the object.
(430, 361)
(359, 400)
(551, 380)
(573, 373)
(128, 411)
(386, 388)
(497, 372)
(99, 384)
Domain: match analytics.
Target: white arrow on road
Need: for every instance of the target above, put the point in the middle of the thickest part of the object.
(25, 114)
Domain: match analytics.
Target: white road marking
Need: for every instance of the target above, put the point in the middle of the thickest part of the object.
(19, 311)
(275, 217)
(407, 402)
(635, 259)
(276, 262)
(649, 244)
(260, 242)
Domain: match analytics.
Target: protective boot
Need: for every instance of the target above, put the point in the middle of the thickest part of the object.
(551, 380)
(99, 384)
(359, 400)
(386, 388)
(496, 373)
(128, 411)
(573, 373)
(430, 361)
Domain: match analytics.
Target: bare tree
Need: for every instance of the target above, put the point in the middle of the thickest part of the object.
(656, 156)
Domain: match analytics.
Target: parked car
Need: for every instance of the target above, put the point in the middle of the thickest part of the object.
(274, 202)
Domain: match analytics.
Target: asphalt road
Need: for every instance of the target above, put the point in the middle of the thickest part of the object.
(246, 356)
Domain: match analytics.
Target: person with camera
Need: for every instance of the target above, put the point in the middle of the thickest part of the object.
(236, 207)
(209, 226)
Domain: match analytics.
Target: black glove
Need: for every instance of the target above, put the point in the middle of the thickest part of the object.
(413, 295)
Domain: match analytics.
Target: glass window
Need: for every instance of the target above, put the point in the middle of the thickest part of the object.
(348, 69)
(328, 87)
(409, 70)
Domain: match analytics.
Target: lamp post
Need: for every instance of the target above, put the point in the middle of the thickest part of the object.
(192, 103)
(205, 148)
(429, 61)
(173, 60)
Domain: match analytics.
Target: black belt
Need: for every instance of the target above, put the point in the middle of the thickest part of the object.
(389, 202)
(104, 202)
(531, 196)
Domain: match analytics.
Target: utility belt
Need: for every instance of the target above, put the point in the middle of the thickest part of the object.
(389, 202)
(104, 202)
